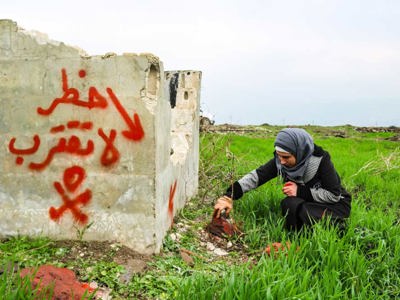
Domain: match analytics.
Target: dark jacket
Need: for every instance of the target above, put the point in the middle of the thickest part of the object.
(321, 182)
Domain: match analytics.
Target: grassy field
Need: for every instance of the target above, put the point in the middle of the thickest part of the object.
(361, 261)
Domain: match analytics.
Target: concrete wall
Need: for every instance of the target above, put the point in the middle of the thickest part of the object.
(184, 95)
(92, 140)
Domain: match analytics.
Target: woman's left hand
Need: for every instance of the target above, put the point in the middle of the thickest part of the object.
(290, 189)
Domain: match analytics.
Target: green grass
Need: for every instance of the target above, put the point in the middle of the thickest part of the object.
(360, 262)
(13, 287)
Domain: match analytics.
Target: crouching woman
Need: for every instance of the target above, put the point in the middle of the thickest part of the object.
(311, 184)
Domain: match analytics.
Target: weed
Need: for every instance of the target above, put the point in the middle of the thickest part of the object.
(80, 231)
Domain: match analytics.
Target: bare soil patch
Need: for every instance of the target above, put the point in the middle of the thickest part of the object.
(103, 251)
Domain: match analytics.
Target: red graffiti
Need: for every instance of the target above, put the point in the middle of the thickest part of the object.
(135, 131)
(82, 73)
(71, 96)
(72, 179)
(72, 146)
(72, 125)
(110, 153)
(31, 150)
(57, 129)
(172, 190)
(80, 125)
(19, 160)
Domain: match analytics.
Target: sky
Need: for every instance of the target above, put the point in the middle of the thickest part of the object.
(286, 62)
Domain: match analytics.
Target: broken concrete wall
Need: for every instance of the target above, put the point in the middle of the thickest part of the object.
(184, 95)
(86, 140)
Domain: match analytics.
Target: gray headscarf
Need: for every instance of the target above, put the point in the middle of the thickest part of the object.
(298, 142)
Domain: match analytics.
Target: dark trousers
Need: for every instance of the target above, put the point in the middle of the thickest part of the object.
(298, 212)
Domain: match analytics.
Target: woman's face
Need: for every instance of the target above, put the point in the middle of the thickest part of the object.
(286, 159)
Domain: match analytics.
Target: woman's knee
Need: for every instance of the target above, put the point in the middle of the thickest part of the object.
(311, 213)
(291, 204)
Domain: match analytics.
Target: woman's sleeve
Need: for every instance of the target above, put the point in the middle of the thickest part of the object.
(252, 180)
(327, 189)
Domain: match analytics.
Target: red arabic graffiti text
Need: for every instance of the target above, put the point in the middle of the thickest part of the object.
(72, 146)
(110, 153)
(135, 130)
(74, 176)
(72, 125)
(71, 96)
(31, 150)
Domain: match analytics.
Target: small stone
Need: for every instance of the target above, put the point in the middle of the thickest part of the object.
(187, 258)
(173, 236)
(210, 246)
(115, 246)
(135, 266)
(82, 254)
(229, 245)
(220, 252)
(103, 294)
(181, 230)
(93, 285)
(126, 277)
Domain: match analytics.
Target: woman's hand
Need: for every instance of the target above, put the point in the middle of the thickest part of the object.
(290, 189)
(223, 203)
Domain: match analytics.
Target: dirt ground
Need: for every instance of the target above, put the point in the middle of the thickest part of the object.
(135, 262)
(105, 251)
